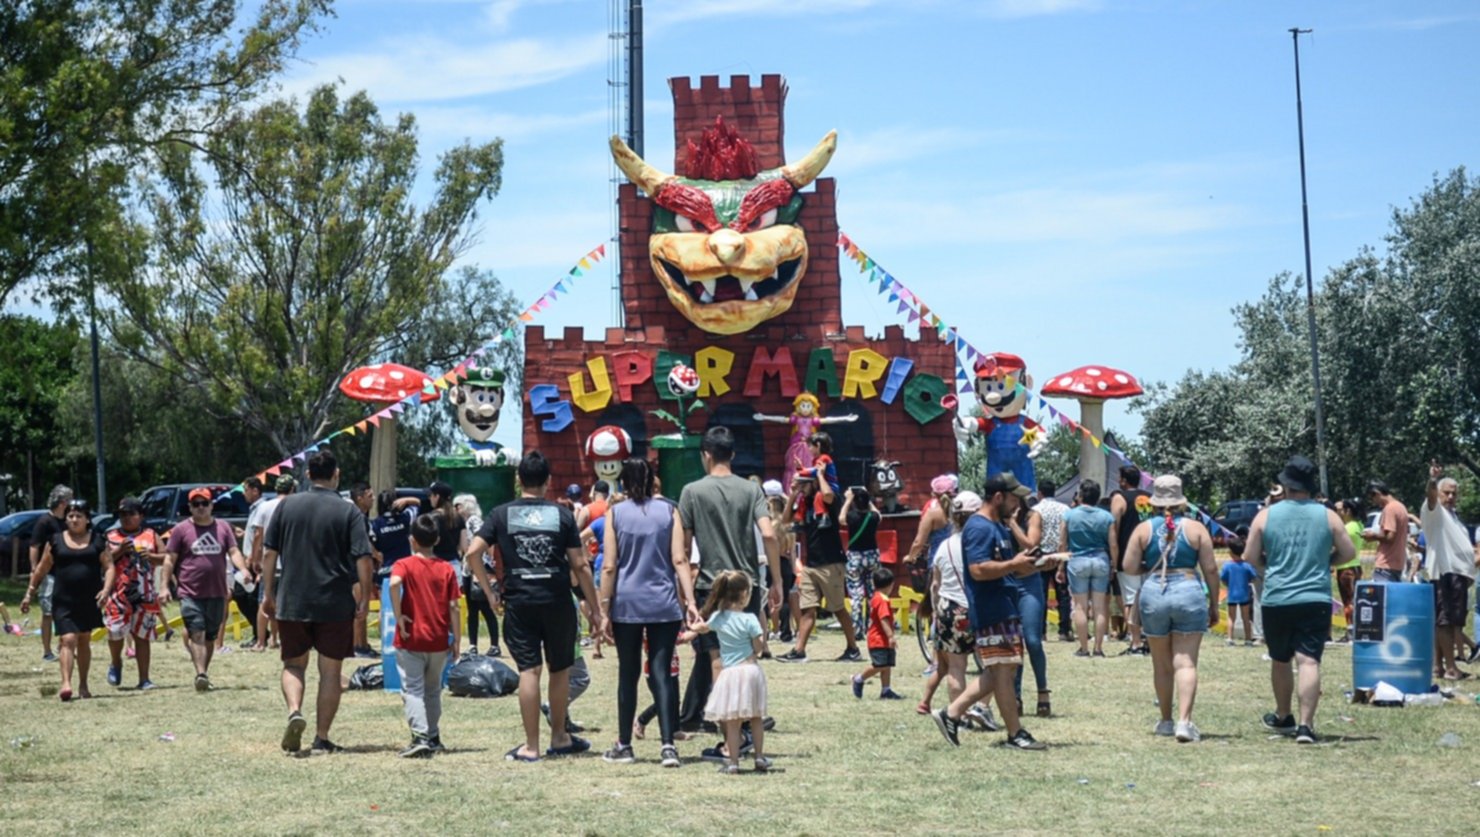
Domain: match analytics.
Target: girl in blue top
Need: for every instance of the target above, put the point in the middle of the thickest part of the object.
(1088, 535)
(739, 692)
(1176, 607)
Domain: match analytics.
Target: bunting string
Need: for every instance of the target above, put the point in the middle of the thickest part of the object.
(910, 304)
(451, 377)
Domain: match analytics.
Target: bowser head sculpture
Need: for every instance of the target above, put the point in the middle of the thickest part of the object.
(725, 245)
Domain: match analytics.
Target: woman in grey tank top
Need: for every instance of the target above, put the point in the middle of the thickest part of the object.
(647, 592)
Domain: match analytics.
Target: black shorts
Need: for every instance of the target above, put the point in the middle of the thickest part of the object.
(881, 657)
(203, 615)
(708, 641)
(1297, 629)
(1451, 600)
(541, 635)
(333, 640)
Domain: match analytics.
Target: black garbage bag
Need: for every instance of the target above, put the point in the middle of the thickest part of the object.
(370, 677)
(480, 676)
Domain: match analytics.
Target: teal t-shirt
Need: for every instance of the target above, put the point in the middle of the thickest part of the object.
(735, 629)
(1089, 528)
(1297, 554)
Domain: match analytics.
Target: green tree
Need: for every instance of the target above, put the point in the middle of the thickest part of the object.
(266, 280)
(1400, 367)
(39, 365)
(90, 90)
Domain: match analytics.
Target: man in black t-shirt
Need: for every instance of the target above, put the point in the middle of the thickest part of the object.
(48, 526)
(822, 575)
(1130, 505)
(324, 583)
(536, 550)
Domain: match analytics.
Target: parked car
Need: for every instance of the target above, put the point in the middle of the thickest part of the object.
(15, 539)
(1236, 515)
(166, 505)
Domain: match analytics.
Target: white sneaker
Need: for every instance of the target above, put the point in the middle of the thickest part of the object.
(1167, 728)
(1187, 732)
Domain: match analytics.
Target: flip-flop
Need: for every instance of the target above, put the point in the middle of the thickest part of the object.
(576, 745)
(515, 755)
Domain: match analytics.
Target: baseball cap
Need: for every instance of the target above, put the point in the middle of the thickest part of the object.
(773, 488)
(130, 505)
(285, 483)
(440, 489)
(1005, 483)
(201, 493)
(967, 502)
(573, 491)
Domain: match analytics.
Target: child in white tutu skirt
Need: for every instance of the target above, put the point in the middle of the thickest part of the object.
(739, 693)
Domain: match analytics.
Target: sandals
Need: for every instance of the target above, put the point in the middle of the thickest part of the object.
(515, 755)
(922, 708)
(576, 746)
(1044, 708)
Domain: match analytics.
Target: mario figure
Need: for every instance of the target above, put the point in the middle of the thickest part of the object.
(477, 402)
(1012, 438)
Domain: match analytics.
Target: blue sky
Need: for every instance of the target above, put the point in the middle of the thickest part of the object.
(1075, 181)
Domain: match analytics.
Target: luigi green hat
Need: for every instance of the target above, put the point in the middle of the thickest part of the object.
(485, 376)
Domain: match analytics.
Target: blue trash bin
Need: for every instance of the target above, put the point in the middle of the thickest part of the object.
(1393, 633)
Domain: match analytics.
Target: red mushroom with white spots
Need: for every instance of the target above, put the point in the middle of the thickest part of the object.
(1092, 386)
(382, 384)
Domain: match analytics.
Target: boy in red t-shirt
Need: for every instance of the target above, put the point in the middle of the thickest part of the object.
(881, 639)
(424, 594)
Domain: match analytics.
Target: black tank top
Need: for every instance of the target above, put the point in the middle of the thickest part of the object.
(1130, 519)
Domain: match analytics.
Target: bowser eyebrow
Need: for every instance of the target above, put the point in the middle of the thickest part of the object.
(689, 202)
(761, 199)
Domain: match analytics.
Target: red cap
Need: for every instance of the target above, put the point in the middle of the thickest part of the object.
(996, 363)
(202, 493)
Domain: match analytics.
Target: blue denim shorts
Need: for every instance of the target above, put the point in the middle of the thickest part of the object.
(1089, 573)
(1178, 605)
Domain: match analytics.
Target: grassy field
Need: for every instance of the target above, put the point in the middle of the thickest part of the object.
(844, 765)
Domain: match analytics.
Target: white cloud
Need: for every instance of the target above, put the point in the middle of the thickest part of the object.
(694, 10)
(861, 152)
(1036, 8)
(427, 68)
(1421, 24)
(1046, 214)
(455, 122)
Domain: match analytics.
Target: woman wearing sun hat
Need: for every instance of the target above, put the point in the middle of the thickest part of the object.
(1169, 551)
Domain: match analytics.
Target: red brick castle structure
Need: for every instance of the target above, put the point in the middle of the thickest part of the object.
(892, 383)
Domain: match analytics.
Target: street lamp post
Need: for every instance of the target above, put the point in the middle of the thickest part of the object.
(1310, 293)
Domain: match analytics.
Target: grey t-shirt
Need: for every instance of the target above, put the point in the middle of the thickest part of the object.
(722, 513)
(319, 537)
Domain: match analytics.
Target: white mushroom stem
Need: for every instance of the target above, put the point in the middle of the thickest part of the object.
(383, 457)
(1091, 459)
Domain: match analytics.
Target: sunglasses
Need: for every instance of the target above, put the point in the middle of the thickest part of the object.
(195, 504)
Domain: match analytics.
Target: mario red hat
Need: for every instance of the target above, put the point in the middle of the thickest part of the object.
(998, 363)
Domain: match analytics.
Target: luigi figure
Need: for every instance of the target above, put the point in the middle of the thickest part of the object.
(477, 402)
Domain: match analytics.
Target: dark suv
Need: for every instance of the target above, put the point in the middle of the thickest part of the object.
(166, 505)
(1236, 515)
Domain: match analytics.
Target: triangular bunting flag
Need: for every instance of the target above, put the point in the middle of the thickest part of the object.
(350, 431)
(375, 419)
(526, 316)
(903, 307)
(273, 471)
(914, 316)
(601, 250)
(507, 334)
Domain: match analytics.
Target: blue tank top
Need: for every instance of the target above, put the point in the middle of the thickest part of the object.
(647, 586)
(1184, 557)
(1089, 529)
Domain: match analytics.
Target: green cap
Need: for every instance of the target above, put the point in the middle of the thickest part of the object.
(484, 376)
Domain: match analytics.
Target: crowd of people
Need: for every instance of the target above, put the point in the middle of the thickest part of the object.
(730, 567)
